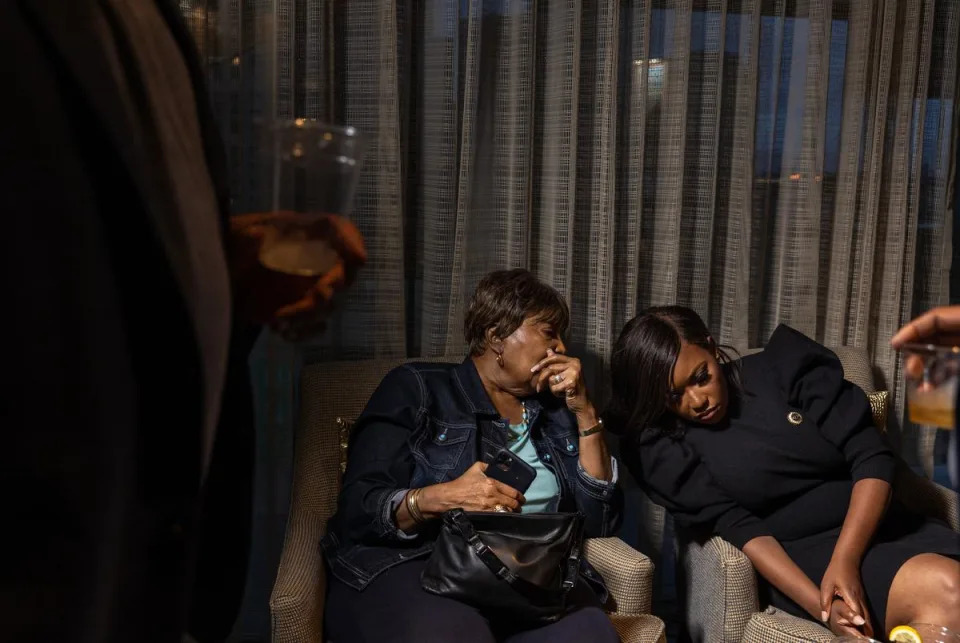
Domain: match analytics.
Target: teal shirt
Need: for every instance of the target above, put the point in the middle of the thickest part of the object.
(544, 492)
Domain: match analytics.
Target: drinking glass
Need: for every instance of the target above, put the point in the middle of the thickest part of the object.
(931, 376)
(927, 632)
(930, 633)
(315, 171)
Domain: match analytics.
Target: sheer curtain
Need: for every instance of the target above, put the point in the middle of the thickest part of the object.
(764, 161)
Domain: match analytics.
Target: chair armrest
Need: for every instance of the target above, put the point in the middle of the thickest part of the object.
(720, 588)
(774, 625)
(627, 573)
(639, 629)
(927, 497)
(296, 602)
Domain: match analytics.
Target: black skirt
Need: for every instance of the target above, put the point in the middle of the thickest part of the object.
(902, 535)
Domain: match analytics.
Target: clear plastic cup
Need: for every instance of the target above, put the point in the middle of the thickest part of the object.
(315, 172)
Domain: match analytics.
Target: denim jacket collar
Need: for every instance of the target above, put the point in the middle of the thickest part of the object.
(471, 386)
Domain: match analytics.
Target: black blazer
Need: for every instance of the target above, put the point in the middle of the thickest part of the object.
(103, 496)
(782, 463)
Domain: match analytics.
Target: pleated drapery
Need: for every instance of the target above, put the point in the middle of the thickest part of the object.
(763, 161)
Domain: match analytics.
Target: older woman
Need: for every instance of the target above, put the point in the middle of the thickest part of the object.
(421, 447)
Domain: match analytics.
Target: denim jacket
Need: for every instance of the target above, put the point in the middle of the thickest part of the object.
(426, 424)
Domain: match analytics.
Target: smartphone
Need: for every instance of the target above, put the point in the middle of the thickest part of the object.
(509, 469)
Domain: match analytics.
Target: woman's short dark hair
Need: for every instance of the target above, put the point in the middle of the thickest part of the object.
(642, 363)
(504, 299)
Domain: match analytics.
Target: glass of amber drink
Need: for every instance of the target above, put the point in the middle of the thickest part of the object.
(315, 170)
(931, 376)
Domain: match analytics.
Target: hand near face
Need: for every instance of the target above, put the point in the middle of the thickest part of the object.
(563, 376)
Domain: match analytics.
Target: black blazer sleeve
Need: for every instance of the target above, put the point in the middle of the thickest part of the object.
(673, 476)
(812, 379)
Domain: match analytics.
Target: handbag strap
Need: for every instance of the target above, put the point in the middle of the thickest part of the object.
(573, 560)
(462, 524)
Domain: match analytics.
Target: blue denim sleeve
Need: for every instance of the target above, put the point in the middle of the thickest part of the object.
(379, 461)
(600, 501)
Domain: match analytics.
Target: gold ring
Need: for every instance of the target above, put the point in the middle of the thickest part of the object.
(501, 509)
(557, 378)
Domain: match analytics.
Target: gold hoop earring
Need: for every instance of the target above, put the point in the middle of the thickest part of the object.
(500, 359)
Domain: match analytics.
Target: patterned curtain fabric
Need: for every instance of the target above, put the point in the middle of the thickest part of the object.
(763, 161)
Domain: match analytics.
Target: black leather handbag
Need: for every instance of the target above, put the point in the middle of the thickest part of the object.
(511, 566)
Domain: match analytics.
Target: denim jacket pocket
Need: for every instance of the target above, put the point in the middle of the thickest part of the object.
(567, 451)
(440, 446)
(566, 445)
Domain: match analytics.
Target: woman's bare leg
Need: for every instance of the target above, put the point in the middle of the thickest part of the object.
(926, 589)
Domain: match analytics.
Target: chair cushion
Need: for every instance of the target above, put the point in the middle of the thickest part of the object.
(856, 366)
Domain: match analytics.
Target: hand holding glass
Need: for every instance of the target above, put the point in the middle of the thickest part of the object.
(298, 249)
(315, 172)
(931, 376)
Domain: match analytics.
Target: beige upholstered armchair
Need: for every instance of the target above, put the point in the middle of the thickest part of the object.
(720, 585)
(332, 395)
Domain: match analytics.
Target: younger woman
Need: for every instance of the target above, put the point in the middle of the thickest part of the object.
(777, 454)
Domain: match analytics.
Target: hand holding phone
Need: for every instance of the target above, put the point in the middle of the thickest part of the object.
(510, 469)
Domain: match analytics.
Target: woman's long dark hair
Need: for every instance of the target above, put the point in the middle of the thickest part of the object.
(641, 368)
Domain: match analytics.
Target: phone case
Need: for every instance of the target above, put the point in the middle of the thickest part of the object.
(511, 470)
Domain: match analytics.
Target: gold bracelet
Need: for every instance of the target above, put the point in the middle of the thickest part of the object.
(416, 505)
(413, 505)
(416, 502)
(409, 500)
(596, 428)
